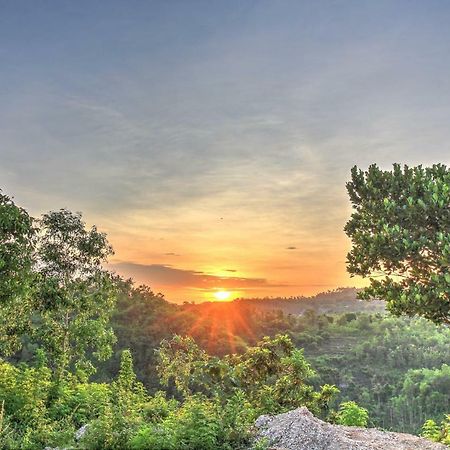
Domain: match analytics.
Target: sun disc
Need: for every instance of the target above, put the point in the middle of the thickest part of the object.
(222, 295)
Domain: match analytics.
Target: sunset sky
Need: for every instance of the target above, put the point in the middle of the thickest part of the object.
(211, 140)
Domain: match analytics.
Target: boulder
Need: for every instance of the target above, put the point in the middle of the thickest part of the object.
(300, 430)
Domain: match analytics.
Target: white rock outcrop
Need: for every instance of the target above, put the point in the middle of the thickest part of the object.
(300, 430)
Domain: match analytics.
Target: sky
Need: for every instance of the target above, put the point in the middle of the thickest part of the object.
(212, 140)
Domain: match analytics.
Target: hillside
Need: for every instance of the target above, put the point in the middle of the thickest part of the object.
(341, 300)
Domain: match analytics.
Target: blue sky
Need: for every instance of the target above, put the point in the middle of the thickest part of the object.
(209, 136)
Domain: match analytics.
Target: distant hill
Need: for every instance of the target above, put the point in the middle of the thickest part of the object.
(340, 300)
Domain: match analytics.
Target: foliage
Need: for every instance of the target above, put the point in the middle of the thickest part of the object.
(425, 393)
(371, 357)
(123, 413)
(273, 375)
(197, 424)
(433, 431)
(24, 395)
(141, 320)
(400, 231)
(16, 277)
(366, 355)
(76, 294)
(54, 293)
(181, 360)
(351, 414)
(80, 401)
(261, 444)
(39, 410)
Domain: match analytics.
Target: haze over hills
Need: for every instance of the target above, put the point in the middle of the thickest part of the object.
(337, 301)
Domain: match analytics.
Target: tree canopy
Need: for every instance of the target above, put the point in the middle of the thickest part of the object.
(76, 296)
(54, 292)
(400, 232)
(16, 259)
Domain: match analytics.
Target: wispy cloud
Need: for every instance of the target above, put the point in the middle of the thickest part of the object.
(165, 275)
(226, 128)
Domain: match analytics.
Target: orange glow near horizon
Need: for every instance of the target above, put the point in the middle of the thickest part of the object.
(202, 256)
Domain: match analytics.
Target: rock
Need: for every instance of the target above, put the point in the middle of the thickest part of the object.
(300, 430)
(81, 432)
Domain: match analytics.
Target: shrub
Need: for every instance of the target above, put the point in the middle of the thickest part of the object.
(82, 402)
(431, 430)
(351, 414)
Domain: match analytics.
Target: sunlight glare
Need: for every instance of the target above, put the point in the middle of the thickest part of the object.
(222, 295)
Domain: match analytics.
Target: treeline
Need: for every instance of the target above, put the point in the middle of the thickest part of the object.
(340, 300)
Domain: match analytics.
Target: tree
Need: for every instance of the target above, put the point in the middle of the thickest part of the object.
(182, 361)
(352, 415)
(424, 394)
(274, 376)
(400, 232)
(76, 295)
(16, 249)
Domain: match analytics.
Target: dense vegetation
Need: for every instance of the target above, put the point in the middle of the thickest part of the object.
(70, 331)
(390, 366)
(370, 357)
(214, 403)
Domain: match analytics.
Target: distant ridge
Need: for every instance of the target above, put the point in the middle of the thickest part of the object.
(341, 300)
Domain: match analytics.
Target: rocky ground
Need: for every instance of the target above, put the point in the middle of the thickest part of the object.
(300, 430)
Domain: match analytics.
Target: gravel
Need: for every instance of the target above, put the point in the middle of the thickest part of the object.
(300, 430)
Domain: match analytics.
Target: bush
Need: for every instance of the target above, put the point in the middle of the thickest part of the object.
(221, 398)
(82, 402)
(431, 430)
(351, 414)
(194, 426)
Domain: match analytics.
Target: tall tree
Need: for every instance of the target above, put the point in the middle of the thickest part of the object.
(400, 231)
(16, 249)
(77, 294)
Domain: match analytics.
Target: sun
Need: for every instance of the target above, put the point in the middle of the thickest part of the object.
(222, 295)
